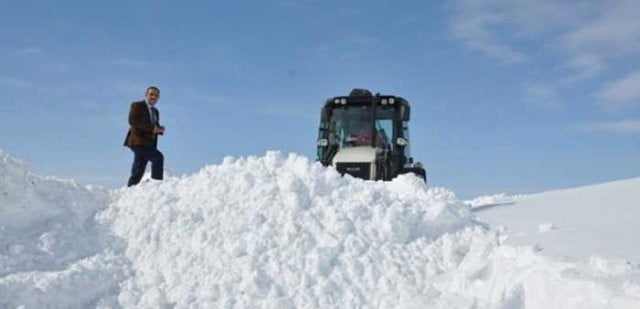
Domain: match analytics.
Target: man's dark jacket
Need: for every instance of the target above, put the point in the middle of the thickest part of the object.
(140, 126)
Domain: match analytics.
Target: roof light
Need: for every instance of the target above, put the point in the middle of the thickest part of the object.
(343, 101)
(392, 100)
(384, 101)
(336, 101)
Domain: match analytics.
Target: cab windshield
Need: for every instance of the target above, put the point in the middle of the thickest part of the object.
(353, 126)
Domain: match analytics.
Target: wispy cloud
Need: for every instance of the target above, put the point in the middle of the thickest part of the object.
(613, 30)
(543, 95)
(473, 30)
(583, 66)
(493, 26)
(617, 127)
(625, 91)
(585, 33)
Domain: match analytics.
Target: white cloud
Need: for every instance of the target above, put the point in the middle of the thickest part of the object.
(614, 31)
(618, 127)
(586, 33)
(474, 23)
(583, 66)
(473, 32)
(625, 91)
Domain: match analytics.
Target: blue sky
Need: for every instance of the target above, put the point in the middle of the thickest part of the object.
(513, 97)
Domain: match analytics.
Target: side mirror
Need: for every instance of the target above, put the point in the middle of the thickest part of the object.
(401, 141)
(323, 142)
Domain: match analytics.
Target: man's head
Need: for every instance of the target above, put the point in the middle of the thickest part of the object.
(152, 95)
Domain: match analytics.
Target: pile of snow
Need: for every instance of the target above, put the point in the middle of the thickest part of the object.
(276, 232)
(52, 251)
(280, 232)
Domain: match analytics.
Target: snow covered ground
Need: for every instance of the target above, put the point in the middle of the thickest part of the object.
(53, 251)
(279, 231)
(599, 220)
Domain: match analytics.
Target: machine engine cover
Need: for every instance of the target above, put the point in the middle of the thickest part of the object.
(356, 161)
(359, 170)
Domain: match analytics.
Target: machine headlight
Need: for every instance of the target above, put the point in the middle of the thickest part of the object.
(343, 101)
(336, 101)
(384, 101)
(323, 142)
(401, 141)
(392, 100)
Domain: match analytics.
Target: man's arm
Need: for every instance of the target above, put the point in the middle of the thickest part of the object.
(136, 118)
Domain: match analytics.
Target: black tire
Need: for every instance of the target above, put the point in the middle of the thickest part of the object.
(418, 171)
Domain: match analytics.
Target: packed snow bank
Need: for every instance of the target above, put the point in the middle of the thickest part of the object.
(52, 252)
(281, 232)
(578, 223)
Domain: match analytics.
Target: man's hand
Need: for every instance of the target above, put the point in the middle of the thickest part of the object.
(158, 130)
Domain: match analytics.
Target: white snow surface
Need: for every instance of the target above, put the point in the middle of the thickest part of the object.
(53, 253)
(275, 231)
(597, 220)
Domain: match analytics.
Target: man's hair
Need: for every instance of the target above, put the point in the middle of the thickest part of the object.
(152, 88)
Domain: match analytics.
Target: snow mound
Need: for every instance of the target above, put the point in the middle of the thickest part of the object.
(51, 248)
(274, 232)
(281, 232)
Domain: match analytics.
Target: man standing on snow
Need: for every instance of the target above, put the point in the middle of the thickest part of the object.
(142, 138)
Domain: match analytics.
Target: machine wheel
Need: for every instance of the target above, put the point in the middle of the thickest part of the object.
(418, 171)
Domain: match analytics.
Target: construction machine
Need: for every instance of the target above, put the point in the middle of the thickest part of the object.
(367, 136)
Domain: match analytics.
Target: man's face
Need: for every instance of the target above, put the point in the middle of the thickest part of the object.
(152, 96)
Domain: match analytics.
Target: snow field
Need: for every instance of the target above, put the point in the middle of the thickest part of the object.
(575, 223)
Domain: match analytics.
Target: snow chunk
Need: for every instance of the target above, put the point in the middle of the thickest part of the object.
(492, 200)
(545, 227)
